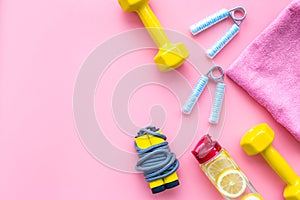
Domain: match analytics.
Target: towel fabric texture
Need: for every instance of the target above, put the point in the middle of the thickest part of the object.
(269, 69)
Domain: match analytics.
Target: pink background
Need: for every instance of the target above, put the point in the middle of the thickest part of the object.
(42, 46)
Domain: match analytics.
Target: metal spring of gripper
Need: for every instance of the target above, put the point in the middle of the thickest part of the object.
(215, 18)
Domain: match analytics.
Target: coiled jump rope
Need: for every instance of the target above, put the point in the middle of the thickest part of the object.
(156, 161)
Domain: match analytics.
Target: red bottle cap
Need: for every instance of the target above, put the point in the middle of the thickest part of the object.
(206, 149)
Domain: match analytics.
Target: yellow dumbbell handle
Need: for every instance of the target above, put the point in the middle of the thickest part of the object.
(153, 26)
(280, 166)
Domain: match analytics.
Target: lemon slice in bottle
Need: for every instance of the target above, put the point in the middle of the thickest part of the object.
(218, 166)
(231, 183)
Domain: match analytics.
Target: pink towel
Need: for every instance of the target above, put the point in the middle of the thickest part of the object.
(269, 69)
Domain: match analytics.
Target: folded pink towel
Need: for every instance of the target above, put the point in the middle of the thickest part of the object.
(269, 69)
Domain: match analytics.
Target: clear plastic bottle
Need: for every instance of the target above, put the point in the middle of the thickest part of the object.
(223, 172)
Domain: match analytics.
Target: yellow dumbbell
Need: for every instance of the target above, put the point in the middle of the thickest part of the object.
(259, 140)
(169, 56)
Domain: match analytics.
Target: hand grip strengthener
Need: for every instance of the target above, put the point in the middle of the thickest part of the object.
(215, 18)
(200, 86)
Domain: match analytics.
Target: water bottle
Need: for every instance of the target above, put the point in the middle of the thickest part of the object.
(223, 171)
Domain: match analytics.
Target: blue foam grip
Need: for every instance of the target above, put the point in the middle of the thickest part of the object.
(194, 96)
(209, 21)
(217, 103)
(223, 41)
